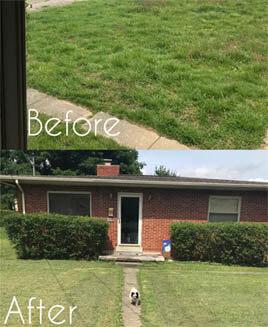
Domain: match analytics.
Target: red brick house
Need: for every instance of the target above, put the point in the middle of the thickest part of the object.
(140, 209)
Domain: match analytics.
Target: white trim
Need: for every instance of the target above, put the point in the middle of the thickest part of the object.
(129, 195)
(239, 198)
(70, 192)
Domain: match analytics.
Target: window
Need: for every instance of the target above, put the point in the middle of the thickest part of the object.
(224, 209)
(69, 203)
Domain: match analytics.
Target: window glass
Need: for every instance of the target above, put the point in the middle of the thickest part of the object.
(221, 217)
(129, 220)
(69, 203)
(223, 209)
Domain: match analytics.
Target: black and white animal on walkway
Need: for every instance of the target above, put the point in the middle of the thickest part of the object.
(134, 296)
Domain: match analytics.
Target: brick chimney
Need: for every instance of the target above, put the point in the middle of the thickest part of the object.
(107, 169)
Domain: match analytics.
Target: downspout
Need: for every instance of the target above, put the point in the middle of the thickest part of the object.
(22, 196)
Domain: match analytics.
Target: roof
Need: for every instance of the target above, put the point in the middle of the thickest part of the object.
(144, 181)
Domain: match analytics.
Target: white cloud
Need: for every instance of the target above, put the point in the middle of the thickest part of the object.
(144, 171)
(258, 180)
(238, 165)
(210, 172)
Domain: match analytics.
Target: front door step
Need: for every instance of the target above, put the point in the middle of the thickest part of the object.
(132, 257)
(129, 248)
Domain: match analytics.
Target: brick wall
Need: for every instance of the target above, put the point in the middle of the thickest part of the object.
(160, 208)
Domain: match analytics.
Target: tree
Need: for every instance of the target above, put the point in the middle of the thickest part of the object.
(76, 163)
(162, 171)
(15, 163)
(67, 162)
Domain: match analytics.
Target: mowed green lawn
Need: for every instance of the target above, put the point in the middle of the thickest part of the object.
(195, 71)
(173, 294)
(94, 287)
(201, 294)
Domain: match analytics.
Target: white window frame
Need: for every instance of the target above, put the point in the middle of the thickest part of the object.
(121, 195)
(239, 198)
(70, 192)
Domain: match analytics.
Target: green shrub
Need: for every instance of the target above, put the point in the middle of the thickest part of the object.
(229, 243)
(4, 214)
(51, 236)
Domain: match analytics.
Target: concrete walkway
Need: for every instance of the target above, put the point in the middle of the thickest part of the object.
(131, 313)
(35, 5)
(130, 135)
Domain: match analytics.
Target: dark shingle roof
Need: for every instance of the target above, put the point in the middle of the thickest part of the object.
(141, 181)
(168, 179)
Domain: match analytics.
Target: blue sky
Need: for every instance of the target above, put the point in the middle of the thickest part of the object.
(243, 165)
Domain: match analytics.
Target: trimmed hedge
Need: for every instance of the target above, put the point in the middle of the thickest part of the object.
(4, 214)
(51, 236)
(229, 243)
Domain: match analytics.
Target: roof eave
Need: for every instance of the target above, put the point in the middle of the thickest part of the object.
(52, 180)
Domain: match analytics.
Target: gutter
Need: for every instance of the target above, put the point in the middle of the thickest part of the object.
(22, 196)
(133, 183)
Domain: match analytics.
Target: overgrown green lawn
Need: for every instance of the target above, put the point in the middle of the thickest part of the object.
(201, 294)
(195, 71)
(94, 287)
(44, 141)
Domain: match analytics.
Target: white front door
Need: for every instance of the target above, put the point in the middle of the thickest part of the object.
(129, 218)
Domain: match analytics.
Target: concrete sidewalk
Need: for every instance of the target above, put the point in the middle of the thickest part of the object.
(131, 135)
(131, 313)
(35, 5)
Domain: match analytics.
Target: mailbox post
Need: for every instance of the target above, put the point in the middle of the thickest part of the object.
(166, 248)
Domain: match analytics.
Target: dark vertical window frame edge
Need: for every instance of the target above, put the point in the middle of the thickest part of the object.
(13, 75)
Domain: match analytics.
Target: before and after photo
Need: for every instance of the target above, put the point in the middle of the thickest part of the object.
(134, 163)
